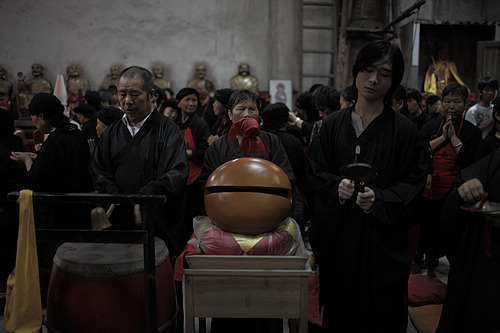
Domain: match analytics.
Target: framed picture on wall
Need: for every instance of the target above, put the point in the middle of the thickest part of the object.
(281, 92)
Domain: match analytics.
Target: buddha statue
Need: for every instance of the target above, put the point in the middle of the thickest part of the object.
(32, 87)
(200, 74)
(6, 87)
(76, 85)
(244, 80)
(158, 72)
(110, 79)
(441, 72)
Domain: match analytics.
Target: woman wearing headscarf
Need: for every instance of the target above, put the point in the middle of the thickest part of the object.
(196, 132)
(62, 163)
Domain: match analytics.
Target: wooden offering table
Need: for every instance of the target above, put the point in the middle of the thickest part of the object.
(250, 286)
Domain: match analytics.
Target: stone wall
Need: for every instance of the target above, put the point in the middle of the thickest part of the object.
(176, 33)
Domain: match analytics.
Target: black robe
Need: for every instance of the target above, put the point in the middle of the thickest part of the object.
(224, 150)
(472, 302)
(364, 257)
(152, 162)
(487, 146)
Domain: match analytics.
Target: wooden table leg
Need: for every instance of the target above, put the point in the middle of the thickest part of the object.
(188, 305)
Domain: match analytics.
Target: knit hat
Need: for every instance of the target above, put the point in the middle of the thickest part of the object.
(93, 98)
(187, 91)
(109, 115)
(45, 103)
(223, 95)
(85, 109)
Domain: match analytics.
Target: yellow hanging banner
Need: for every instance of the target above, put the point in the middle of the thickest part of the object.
(23, 309)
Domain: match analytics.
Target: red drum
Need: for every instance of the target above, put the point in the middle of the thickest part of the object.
(100, 288)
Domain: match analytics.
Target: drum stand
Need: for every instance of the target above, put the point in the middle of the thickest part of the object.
(144, 236)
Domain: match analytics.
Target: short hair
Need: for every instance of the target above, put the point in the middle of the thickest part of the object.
(314, 87)
(431, 100)
(347, 93)
(172, 102)
(327, 96)
(274, 116)
(161, 94)
(113, 89)
(399, 94)
(241, 95)
(374, 51)
(106, 96)
(487, 81)
(136, 72)
(456, 89)
(305, 102)
(412, 93)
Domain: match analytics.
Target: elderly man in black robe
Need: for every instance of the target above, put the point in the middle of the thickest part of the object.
(143, 153)
(359, 232)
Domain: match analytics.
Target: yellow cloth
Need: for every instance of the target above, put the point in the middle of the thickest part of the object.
(450, 71)
(23, 309)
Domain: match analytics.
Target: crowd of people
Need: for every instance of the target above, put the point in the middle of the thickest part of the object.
(419, 152)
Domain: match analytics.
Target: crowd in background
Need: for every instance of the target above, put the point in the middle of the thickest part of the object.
(455, 138)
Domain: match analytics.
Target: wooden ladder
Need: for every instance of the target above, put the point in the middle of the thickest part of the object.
(325, 56)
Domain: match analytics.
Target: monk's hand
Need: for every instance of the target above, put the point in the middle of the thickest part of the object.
(346, 189)
(366, 199)
(471, 191)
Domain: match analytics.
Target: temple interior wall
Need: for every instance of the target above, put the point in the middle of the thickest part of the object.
(177, 33)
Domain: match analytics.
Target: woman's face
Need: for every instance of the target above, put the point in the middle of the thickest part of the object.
(170, 112)
(43, 125)
(218, 108)
(453, 106)
(413, 107)
(247, 108)
(434, 108)
(188, 104)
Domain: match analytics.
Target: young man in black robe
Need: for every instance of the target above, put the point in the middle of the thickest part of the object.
(360, 233)
(473, 249)
(143, 153)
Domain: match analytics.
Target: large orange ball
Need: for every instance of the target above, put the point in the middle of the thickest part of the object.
(248, 196)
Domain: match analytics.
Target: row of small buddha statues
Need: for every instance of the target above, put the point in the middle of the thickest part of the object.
(77, 85)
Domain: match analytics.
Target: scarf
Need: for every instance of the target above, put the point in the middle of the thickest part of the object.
(249, 129)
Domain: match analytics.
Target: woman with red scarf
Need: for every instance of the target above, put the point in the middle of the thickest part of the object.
(453, 141)
(196, 132)
(243, 140)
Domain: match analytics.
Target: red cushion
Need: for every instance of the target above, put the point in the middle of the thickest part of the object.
(215, 241)
(423, 290)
